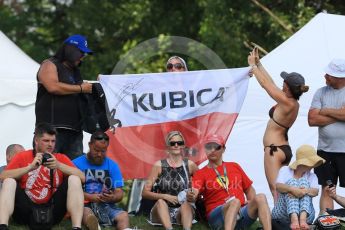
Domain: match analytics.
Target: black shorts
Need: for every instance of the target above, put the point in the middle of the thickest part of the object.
(332, 169)
(23, 204)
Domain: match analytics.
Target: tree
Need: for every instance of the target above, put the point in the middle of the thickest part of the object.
(115, 27)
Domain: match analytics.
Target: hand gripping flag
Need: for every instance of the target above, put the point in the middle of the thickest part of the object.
(143, 108)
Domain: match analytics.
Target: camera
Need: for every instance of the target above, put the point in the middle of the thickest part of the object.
(45, 157)
(329, 183)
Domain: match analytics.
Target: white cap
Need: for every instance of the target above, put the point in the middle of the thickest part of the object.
(336, 68)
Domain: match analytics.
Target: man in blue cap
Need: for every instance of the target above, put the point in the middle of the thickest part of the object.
(59, 90)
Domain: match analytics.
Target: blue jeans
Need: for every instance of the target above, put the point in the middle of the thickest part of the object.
(216, 218)
(69, 142)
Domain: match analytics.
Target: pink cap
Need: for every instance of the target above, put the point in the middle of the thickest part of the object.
(215, 138)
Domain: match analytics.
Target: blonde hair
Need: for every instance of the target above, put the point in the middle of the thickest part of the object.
(171, 134)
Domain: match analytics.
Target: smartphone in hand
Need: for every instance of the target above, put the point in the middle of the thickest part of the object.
(329, 183)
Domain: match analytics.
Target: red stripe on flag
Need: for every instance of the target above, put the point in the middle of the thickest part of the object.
(137, 148)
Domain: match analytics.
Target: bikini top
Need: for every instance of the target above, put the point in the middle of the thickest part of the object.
(270, 113)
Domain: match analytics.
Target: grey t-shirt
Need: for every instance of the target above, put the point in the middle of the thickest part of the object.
(331, 137)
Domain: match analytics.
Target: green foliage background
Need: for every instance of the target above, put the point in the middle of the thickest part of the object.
(115, 26)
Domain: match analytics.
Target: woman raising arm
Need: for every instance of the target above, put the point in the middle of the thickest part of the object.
(282, 116)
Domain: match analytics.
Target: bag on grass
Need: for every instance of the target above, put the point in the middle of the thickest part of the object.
(101, 212)
(327, 222)
(42, 217)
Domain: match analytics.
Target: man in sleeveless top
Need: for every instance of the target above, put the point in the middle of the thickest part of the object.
(327, 112)
(58, 94)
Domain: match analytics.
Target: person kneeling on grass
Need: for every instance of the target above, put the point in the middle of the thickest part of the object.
(103, 186)
(225, 186)
(297, 185)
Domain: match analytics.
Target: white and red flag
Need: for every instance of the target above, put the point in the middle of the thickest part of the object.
(145, 107)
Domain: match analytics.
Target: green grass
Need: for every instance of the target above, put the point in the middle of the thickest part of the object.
(138, 221)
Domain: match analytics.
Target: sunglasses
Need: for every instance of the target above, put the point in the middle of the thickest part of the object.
(101, 137)
(211, 146)
(179, 143)
(177, 66)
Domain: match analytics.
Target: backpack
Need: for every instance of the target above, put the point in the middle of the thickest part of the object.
(200, 211)
(93, 110)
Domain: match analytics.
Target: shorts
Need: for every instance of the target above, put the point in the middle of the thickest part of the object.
(23, 204)
(110, 209)
(332, 169)
(216, 218)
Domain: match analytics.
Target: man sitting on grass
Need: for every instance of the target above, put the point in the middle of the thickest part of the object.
(225, 188)
(103, 185)
(27, 184)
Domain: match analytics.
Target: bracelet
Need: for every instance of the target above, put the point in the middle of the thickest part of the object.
(254, 66)
(81, 89)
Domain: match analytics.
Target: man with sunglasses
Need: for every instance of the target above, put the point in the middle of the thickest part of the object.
(59, 90)
(229, 197)
(103, 185)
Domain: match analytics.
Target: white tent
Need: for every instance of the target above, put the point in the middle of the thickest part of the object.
(307, 52)
(17, 97)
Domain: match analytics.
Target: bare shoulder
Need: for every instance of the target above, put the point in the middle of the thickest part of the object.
(47, 68)
(48, 64)
(157, 168)
(157, 164)
(290, 105)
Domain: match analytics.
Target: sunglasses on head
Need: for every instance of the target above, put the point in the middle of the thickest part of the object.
(177, 66)
(179, 143)
(211, 146)
(101, 137)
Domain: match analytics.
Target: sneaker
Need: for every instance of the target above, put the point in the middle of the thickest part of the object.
(92, 222)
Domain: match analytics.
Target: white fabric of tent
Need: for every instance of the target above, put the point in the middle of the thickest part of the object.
(18, 93)
(307, 52)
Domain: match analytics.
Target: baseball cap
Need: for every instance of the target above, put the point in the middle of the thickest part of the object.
(336, 68)
(214, 138)
(78, 41)
(293, 78)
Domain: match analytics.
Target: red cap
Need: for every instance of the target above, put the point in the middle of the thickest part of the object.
(215, 138)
